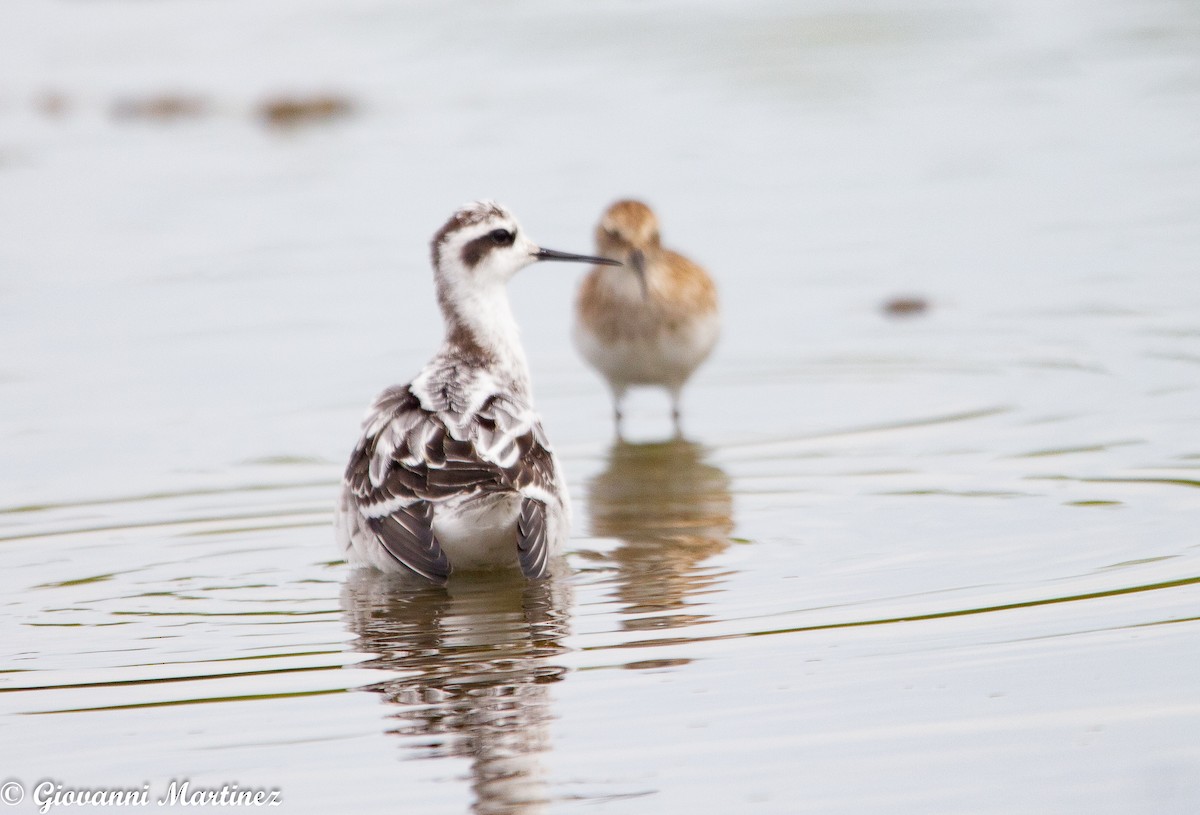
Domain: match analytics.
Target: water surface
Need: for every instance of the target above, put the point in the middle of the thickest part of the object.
(937, 563)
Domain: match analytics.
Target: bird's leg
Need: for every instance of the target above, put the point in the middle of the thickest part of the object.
(618, 415)
(676, 414)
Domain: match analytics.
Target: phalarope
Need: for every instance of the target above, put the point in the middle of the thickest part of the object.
(453, 470)
(650, 323)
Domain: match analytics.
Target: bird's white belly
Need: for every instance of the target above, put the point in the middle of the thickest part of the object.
(479, 533)
(660, 358)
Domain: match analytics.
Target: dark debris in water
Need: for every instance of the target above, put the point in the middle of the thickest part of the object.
(905, 306)
(279, 111)
(291, 111)
(52, 103)
(162, 107)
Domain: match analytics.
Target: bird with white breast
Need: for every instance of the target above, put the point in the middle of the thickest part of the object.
(650, 323)
(453, 471)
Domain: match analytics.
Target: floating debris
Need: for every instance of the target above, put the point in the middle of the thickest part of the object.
(52, 103)
(905, 306)
(163, 107)
(290, 111)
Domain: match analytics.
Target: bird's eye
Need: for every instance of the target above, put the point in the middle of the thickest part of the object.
(501, 237)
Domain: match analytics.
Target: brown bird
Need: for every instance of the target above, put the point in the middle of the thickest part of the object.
(652, 321)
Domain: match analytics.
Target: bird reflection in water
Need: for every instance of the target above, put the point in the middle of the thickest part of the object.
(478, 657)
(671, 510)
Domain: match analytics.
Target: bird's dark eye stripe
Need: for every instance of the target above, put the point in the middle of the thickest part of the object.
(475, 249)
(502, 237)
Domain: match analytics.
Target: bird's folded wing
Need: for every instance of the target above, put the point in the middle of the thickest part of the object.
(407, 535)
(410, 459)
(532, 549)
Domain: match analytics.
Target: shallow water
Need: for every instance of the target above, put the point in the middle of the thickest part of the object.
(944, 562)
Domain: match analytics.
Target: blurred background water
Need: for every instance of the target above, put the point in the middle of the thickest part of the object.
(935, 562)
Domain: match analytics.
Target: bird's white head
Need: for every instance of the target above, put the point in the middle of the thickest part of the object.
(482, 245)
(475, 253)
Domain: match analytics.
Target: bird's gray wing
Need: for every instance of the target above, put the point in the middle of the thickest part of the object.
(516, 443)
(388, 492)
(407, 535)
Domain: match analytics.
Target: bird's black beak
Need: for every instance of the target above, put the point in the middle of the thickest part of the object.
(637, 259)
(552, 254)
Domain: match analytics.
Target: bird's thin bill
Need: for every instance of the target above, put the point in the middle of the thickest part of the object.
(551, 254)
